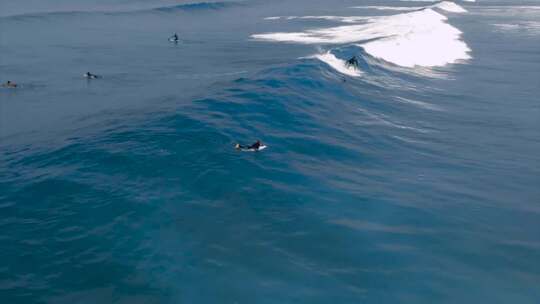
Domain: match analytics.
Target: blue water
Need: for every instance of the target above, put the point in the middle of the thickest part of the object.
(402, 185)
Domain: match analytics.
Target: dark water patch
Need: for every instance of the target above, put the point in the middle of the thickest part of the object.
(188, 7)
(199, 6)
(49, 15)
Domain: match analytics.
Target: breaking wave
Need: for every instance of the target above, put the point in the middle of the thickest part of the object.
(421, 38)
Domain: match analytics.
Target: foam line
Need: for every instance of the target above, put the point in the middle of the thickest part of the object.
(344, 19)
(388, 8)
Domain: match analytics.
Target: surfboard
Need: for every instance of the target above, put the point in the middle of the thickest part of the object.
(253, 150)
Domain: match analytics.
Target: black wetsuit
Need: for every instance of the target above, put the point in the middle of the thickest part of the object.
(255, 146)
(352, 62)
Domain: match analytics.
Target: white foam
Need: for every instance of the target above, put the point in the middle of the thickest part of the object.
(419, 38)
(344, 19)
(444, 5)
(507, 26)
(338, 64)
(388, 8)
(449, 7)
(529, 11)
(427, 41)
(524, 27)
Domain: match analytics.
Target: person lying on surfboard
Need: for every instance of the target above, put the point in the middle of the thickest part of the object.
(90, 75)
(254, 147)
(174, 38)
(9, 84)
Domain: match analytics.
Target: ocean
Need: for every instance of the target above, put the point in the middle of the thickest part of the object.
(411, 178)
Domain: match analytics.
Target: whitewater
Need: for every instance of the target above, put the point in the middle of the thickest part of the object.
(419, 38)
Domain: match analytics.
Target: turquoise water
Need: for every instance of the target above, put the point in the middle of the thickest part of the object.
(397, 185)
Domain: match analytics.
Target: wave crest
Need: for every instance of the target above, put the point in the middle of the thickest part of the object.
(418, 38)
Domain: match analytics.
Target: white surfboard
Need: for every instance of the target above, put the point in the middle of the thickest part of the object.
(253, 150)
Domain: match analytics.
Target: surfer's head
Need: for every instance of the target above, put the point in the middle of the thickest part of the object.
(237, 146)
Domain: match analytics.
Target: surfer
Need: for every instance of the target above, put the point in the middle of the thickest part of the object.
(90, 75)
(174, 38)
(9, 84)
(352, 62)
(255, 146)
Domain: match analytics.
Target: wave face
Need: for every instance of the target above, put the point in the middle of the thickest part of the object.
(338, 64)
(411, 178)
(419, 38)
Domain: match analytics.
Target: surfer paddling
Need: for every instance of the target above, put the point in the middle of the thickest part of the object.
(173, 38)
(253, 147)
(89, 75)
(9, 84)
